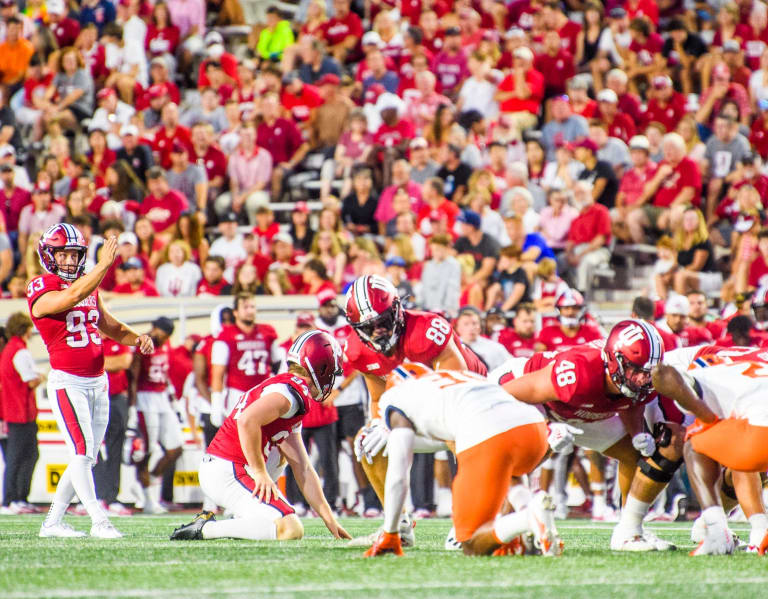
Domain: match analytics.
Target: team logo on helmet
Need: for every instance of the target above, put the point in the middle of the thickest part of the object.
(631, 351)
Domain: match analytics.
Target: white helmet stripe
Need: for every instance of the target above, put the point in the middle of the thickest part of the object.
(654, 340)
(363, 300)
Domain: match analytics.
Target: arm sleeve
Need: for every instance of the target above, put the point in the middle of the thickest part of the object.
(220, 353)
(24, 364)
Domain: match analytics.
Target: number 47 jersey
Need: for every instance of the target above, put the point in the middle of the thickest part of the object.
(72, 337)
(247, 356)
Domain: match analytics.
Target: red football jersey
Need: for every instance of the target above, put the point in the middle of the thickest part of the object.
(226, 443)
(72, 337)
(153, 371)
(249, 355)
(518, 346)
(691, 336)
(118, 380)
(554, 339)
(423, 340)
(578, 377)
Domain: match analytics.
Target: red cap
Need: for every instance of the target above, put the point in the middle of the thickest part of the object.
(585, 143)
(157, 91)
(302, 207)
(328, 79)
(105, 93)
(305, 319)
(372, 93)
(325, 295)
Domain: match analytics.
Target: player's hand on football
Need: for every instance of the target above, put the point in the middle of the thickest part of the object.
(645, 444)
(145, 344)
(264, 487)
(108, 251)
(561, 436)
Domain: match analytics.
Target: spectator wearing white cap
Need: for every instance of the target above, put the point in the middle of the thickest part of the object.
(520, 93)
(674, 321)
(20, 175)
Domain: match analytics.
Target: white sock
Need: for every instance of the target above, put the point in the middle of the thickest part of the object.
(61, 500)
(155, 488)
(598, 505)
(82, 481)
(759, 524)
(519, 496)
(444, 501)
(208, 505)
(560, 477)
(632, 515)
(508, 527)
(253, 529)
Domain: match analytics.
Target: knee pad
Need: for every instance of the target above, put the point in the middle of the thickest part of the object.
(662, 471)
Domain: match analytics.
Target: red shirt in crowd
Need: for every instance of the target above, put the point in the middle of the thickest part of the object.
(165, 211)
(647, 50)
(535, 81)
(758, 137)
(161, 41)
(393, 136)
(301, 106)
(569, 36)
(556, 69)
(163, 143)
(281, 139)
(668, 114)
(65, 31)
(337, 30)
(594, 221)
(758, 272)
(622, 127)
(146, 288)
(685, 174)
(214, 161)
(11, 205)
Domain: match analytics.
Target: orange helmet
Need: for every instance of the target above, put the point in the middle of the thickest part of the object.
(406, 370)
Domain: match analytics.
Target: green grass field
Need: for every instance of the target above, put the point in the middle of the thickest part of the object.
(146, 564)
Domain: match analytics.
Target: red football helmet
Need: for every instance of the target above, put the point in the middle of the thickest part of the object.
(631, 351)
(374, 311)
(62, 237)
(760, 307)
(320, 354)
(571, 298)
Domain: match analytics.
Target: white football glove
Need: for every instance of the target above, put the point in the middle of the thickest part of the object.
(561, 436)
(645, 444)
(376, 440)
(133, 419)
(217, 408)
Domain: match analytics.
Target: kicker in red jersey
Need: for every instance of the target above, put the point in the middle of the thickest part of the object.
(425, 336)
(578, 377)
(248, 356)
(226, 443)
(553, 338)
(72, 337)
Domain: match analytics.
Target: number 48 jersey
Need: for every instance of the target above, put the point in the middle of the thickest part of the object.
(247, 356)
(424, 338)
(71, 337)
(578, 377)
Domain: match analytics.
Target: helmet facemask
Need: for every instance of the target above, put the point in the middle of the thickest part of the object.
(632, 380)
(382, 332)
(67, 272)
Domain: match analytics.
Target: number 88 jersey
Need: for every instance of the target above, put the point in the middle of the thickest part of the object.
(425, 336)
(71, 337)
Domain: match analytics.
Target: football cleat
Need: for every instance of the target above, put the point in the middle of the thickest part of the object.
(387, 542)
(405, 529)
(763, 547)
(621, 540)
(659, 544)
(194, 530)
(451, 543)
(60, 530)
(718, 540)
(541, 518)
(698, 530)
(105, 530)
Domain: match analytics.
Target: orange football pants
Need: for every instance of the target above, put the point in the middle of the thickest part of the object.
(484, 472)
(736, 444)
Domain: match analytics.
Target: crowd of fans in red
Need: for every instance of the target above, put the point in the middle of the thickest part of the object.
(475, 152)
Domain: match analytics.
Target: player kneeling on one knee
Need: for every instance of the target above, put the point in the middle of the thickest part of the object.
(262, 433)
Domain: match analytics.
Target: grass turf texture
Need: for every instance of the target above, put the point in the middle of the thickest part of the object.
(146, 564)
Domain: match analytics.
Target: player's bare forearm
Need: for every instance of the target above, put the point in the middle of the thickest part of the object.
(633, 419)
(133, 379)
(201, 376)
(533, 388)
(249, 433)
(450, 358)
(669, 382)
(376, 386)
(217, 378)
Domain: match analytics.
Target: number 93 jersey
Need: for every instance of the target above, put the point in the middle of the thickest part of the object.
(71, 337)
(578, 377)
(424, 337)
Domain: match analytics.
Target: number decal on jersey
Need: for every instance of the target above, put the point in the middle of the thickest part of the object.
(34, 286)
(76, 324)
(566, 373)
(252, 362)
(239, 407)
(156, 373)
(438, 331)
